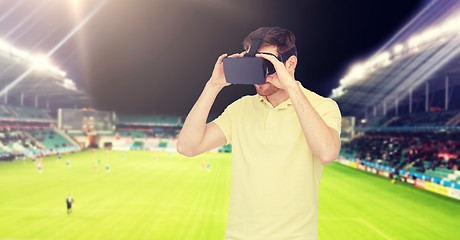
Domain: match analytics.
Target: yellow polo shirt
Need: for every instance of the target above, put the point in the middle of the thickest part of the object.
(275, 176)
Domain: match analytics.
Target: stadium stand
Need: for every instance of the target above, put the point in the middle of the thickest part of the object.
(428, 157)
(143, 132)
(5, 113)
(132, 133)
(26, 131)
(149, 120)
(24, 114)
(29, 113)
(415, 150)
(52, 140)
(406, 100)
(14, 143)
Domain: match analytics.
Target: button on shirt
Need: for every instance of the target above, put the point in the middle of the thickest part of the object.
(275, 176)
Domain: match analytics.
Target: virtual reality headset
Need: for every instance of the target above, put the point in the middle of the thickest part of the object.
(250, 69)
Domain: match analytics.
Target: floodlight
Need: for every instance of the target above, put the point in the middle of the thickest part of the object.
(338, 91)
(398, 48)
(23, 55)
(357, 71)
(4, 46)
(69, 84)
(41, 62)
(62, 73)
(414, 41)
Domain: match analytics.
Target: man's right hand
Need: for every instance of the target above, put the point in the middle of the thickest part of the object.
(218, 77)
(196, 136)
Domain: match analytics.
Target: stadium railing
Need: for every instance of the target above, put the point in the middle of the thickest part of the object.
(420, 180)
(148, 120)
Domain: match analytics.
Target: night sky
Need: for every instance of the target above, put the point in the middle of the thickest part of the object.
(155, 56)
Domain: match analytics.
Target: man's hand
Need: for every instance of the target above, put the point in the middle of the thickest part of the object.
(218, 77)
(284, 80)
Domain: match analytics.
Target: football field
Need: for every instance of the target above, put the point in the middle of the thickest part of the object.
(156, 195)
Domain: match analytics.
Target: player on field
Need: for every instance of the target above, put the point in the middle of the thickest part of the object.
(39, 167)
(69, 201)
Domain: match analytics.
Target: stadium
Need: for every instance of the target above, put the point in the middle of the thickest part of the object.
(397, 175)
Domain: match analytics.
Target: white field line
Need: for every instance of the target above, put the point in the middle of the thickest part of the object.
(374, 228)
(22, 239)
(357, 219)
(19, 239)
(25, 239)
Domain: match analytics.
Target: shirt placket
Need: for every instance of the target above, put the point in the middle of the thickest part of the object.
(269, 125)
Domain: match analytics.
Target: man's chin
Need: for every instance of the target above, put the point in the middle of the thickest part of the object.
(266, 89)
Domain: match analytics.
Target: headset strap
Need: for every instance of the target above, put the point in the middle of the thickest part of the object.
(285, 56)
(256, 42)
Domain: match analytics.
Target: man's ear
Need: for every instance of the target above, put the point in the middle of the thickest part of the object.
(291, 63)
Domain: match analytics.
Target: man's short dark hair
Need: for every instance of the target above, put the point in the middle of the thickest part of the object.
(282, 38)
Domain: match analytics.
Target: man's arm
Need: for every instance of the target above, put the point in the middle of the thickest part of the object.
(324, 141)
(196, 136)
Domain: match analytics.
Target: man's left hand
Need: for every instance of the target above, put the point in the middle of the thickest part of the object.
(283, 80)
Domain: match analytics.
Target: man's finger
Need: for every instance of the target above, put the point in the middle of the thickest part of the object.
(237, 55)
(222, 56)
(219, 60)
(266, 56)
(270, 58)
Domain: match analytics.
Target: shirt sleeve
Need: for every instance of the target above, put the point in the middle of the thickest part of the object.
(224, 121)
(330, 113)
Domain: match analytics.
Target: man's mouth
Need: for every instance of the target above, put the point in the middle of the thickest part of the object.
(263, 84)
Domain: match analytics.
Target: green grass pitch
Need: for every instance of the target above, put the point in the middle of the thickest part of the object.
(152, 195)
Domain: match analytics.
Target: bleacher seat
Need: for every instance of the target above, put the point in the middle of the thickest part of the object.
(134, 134)
(49, 138)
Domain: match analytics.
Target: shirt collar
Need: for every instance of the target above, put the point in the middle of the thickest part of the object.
(282, 105)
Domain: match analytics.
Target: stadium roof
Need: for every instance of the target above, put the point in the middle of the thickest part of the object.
(417, 54)
(21, 77)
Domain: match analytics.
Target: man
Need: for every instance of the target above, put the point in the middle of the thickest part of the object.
(69, 201)
(40, 166)
(280, 138)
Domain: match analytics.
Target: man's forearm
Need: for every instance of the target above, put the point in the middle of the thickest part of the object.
(322, 139)
(194, 127)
